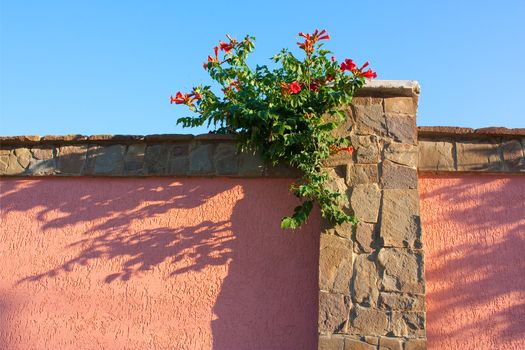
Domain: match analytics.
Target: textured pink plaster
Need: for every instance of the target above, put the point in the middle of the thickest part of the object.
(474, 236)
(154, 263)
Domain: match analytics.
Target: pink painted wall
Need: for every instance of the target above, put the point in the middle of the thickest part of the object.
(474, 236)
(154, 263)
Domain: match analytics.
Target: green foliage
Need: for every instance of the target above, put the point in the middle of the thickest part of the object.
(288, 113)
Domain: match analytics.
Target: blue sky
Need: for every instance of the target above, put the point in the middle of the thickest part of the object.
(93, 67)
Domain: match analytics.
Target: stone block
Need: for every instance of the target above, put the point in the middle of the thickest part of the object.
(134, 159)
(71, 159)
(357, 344)
(10, 163)
(366, 149)
(513, 157)
(472, 156)
(402, 128)
(402, 301)
(387, 343)
(251, 164)
(357, 174)
(398, 176)
(400, 220)
(109, 160)
(331, 342)
(333, 312)
(402, 105)
(369, 117)
(365, 201)
(402, 270)
(370, 321)
(436, 156)
(416, 344)
(401, 153)
(43, 162)
(225, 159)
(365, 281)
(408, 324)
(365, 237)
(335, 264)
(156, 159)
(179, 160)
(201, 162)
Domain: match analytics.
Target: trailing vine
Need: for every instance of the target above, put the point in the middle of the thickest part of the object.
(288, 113)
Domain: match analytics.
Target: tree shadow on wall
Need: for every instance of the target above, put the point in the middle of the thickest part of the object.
(268, 299)
(488, 271)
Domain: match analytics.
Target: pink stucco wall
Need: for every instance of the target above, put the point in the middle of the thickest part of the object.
(154, 263)
(474, 236)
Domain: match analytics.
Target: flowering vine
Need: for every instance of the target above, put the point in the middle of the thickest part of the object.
(288, 113)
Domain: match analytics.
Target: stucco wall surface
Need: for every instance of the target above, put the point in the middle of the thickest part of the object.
(474, 238)
(155, 263)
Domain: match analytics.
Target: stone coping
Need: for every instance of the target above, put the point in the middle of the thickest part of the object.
(455, 131)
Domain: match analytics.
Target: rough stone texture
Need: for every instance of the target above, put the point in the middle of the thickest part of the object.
(366, 149)
(402, 128)
(332, 342)
(251, 165)
(71, 159)
(365, 282)
(402, 270)
(365, 237)
(403, 105)
(436, 156)
(369, 117)
(369, 321)
(225, 159)
(398, 176)
(408, 324)
(477, 156)
(107, 160)
(402, 302)
(386, 343)
(335, 264)
(401, 153)
(400, 221)
(416, 344)
(357, 174)
(42, 162)
(333, 312)
(355, 344)
(365, 201)
(201, 159)
(513, 155)
(134, 159)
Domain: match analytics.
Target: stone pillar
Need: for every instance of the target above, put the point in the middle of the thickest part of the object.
(371, 276)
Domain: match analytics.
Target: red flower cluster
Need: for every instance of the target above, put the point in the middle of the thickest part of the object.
(226, 47)
(335, 150)
(311, 39)
(186, 99)
(290, 89)
(349, 65)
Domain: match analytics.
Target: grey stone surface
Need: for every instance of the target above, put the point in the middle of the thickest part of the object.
(251, 164)
(366, 149)
(201, 160)
(472, 156)
(400, 221)
(333, 312)
(513, 156)
(402, 128)
(134, 159)
(42, 162)
(436, 156)
(71, 159)
(225, 159)
(365, 282)
(401, 153)
(398, 176)
(335, 264)
(365, 201)
(369, 117)
(402, 270)
(156, 159)
(109, 160)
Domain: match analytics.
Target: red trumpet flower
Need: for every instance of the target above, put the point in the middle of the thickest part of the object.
(311, 39)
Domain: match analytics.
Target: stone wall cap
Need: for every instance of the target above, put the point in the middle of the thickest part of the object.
(387, 88)
(454, 131)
